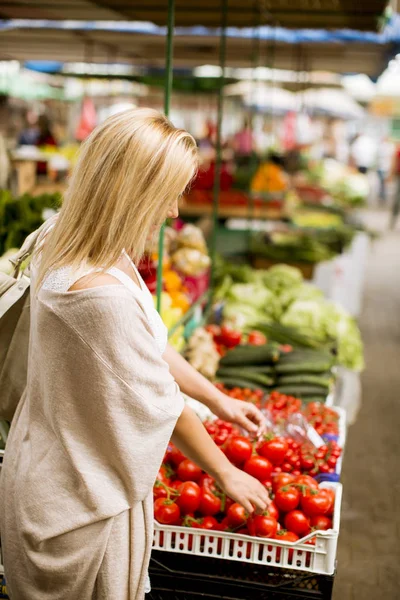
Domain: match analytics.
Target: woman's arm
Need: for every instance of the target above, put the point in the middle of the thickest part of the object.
(192, 383)
(192, 439)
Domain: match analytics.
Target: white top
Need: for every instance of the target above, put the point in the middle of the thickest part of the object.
(62, 279)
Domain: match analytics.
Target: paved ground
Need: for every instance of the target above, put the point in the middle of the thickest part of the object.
(369, 545)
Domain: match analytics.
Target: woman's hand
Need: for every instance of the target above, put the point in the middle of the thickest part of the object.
(240, 413)
(244, 489)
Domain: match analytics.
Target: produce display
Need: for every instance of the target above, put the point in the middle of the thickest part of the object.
(278, 303)
(184, 495)
(20, 216)
(345, 185)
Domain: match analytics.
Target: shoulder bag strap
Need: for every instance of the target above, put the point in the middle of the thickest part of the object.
(28, 246)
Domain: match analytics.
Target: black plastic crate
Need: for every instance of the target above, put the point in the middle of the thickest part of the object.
(183, 577)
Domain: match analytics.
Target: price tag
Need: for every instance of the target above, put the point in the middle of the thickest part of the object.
(314, 437)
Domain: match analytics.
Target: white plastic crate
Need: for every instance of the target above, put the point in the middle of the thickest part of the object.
(232, 546)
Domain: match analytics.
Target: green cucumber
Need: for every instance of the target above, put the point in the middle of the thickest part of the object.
(287, 335)
(251, 355)
(231, 382)
(304, 379)
(303, 367)
(246, 375)
(305, 354)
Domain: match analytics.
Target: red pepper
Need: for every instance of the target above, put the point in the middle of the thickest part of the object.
(256, 338)
(229, 337)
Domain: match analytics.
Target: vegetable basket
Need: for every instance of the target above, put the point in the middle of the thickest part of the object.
(319, 558)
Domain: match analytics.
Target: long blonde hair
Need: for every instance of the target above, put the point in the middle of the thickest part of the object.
(129, 172)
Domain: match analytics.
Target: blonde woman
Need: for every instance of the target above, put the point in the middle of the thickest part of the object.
(102, 399)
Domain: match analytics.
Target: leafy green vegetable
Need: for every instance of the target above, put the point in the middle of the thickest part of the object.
(243, 316)
(282, 277)
(326, 321)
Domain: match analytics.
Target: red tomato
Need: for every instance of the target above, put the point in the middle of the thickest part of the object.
(311, 542)
(307, 462)
(331, 462)
(166, 512)
(175, 456)
(221, 437)
(331, 495)
(275, 450)
(323, 467)
(209, 523)
(321, 522)
(297, 522)
(256, 338)
(210, 504)
(228, 337)
(287, 467)
(287, 498)
(207, 481)
(238, 450)
(315, 502)
(281, 479)
(307, 481)
(259, 467)
(262, 526)
(286, 536)
(237, 516)
(160, 490)
(273, 511)
(189, 497)
(188, 471)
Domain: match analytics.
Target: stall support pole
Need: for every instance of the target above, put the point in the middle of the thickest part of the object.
(253, 112)
(218, 149)
(167, 102)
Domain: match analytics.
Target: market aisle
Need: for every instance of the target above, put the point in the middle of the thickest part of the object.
(369, 543)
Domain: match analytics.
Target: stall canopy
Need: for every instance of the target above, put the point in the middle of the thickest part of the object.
(145, 46)
(287, 13)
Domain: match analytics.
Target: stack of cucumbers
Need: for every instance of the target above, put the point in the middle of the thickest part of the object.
(304, 372)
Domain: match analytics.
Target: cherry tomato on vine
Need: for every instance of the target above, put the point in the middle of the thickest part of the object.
(166, 511)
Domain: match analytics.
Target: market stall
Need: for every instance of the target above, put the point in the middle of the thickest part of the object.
(269, 337)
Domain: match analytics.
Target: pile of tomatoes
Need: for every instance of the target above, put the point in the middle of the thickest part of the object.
(184, 495)
(325, 420)
(246, 394)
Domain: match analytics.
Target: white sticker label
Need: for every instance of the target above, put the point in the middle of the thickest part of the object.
(314, 437)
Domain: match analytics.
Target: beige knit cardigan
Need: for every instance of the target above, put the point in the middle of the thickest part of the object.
(84, 449)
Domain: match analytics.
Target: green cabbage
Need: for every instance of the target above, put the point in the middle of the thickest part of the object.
(282, 277)
(305, 291)
(325, 322)
(243, 316)
(257, 296)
